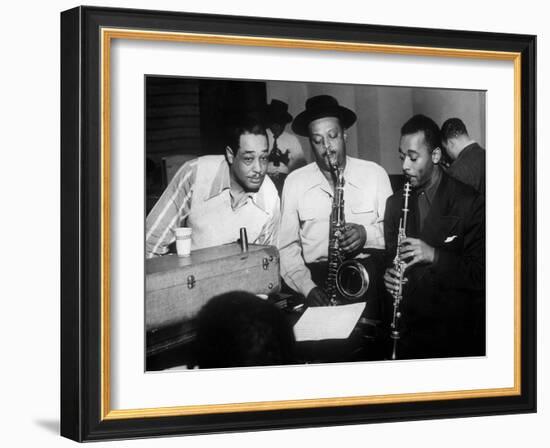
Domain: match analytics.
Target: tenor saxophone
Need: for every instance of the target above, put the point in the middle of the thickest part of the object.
(399, 266)
(346, 279)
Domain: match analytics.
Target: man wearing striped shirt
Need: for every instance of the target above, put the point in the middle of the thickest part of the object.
(217, 195)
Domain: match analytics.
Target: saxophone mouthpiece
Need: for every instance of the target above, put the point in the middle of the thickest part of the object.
(332, 161)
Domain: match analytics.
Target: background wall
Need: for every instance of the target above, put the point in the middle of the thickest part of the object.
(382, 110)
(29, 327)
(187, 117)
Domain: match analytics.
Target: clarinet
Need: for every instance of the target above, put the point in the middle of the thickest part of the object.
(399, 266)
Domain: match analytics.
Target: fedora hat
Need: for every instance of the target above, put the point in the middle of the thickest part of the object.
(277, 111)
(319, 107)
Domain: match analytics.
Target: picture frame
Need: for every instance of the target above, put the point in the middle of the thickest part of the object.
(86, 177)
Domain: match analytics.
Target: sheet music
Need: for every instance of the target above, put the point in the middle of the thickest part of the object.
(328, 322)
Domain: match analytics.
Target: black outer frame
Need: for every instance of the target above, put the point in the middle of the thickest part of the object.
(81, 223)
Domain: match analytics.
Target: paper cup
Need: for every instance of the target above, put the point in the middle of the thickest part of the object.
(183, 241)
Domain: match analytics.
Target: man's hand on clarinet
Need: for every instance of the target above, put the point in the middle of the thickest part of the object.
(414, 251)
(391, 280)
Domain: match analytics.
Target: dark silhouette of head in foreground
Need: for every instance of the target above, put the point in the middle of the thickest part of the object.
(238, 329)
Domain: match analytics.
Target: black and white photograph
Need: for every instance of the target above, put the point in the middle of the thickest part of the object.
(276, 223)
(305, 223)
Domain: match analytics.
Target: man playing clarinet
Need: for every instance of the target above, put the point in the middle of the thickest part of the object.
(442, 313)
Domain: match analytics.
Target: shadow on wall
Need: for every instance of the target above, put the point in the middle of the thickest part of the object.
(51, 426)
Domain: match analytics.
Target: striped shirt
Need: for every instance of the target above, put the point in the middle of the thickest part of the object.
(199, 196)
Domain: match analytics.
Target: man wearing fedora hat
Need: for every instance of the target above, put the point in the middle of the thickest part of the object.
(285, 151)
(308, 195)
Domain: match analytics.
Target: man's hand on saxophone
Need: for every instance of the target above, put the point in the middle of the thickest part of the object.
(317, 297)
(353, 239)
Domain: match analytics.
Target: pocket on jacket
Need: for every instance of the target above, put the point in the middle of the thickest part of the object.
(362, 214)
(362, 209)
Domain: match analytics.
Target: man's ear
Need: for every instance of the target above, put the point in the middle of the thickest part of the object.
(436, 155)
(345, 136)
(229, 155)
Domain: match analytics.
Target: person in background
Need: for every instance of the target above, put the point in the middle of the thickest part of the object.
(285, 151)
(308, 196)
(217, 195)
(443, 306)
(468, 157)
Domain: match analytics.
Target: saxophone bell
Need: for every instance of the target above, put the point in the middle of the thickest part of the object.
(352, 280)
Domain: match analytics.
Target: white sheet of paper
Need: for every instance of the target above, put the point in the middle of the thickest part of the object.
(328, 322)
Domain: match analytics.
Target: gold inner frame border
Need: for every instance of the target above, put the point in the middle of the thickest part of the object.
(107, 35)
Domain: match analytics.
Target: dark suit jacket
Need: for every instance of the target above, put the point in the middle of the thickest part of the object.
(469, 167)
(443, 305)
